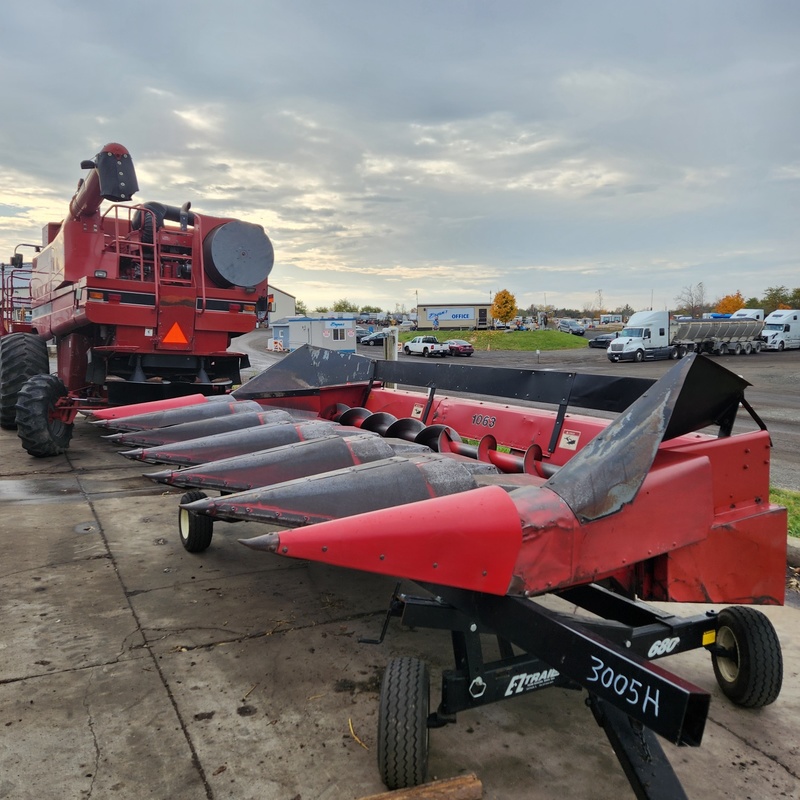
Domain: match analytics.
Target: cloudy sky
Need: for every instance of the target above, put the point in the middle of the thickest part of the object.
(569, 152)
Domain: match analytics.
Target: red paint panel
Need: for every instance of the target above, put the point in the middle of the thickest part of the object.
(743, 560)
(468, 540)
(557, 551)
(117, 412)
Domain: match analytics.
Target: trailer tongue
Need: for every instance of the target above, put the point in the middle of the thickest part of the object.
(492, 506)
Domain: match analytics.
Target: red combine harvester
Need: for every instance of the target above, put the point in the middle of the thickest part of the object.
(490, 505)
(142, 302)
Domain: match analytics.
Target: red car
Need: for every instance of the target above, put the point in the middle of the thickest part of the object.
(458, 347)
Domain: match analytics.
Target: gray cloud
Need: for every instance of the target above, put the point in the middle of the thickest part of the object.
(447, 149)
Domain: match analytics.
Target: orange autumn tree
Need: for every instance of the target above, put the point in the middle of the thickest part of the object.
(504, 306)
(730, 303)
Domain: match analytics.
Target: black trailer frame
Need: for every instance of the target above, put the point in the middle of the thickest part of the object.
(609, 654)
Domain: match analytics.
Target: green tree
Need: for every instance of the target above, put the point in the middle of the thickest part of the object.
(730, 303)
(794, 298)
(504, 306)
(775, 297)
(300, 308)
(320, 309)
(368, 311)
(344, 305)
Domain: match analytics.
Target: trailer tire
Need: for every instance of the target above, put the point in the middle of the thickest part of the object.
(750, 671)
(747, 349)
(42, 434)
(195, 530)
(403, 739)
(638, 356)
(22, 355)
(723, 349)
(737, 349)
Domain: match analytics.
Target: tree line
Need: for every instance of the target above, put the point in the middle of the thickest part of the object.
(690, 301)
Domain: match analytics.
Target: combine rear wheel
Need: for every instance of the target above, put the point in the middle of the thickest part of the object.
(42, 433)
(195, 529)
(22, 355)
(403, 723)
(747, 660)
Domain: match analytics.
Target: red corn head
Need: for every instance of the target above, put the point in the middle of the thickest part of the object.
(115, 412)
(236, 443)
(185, 431)
(393, 481)
(286, 463)
(216, 407)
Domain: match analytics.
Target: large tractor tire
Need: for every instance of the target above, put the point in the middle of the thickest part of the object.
(42, 435)
(22, 355)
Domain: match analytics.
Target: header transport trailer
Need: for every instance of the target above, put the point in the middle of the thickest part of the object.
(142, 302)
(489, 503)
(653, 335)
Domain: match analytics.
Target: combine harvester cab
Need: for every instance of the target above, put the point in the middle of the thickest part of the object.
(142, 302)
(489, 504)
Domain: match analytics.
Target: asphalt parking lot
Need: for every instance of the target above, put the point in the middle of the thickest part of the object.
(133, 669)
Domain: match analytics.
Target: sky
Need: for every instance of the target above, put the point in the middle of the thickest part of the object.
(578, 154)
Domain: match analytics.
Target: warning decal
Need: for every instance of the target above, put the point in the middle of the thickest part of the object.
(569, 439)
(175, 336)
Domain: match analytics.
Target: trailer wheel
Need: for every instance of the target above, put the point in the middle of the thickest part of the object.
(757, 347)
(42, 433)
(723, 349)
(737, 349)
(747, 349)
(638, 356)
(195, 529)
(403, 738)
(22, 355)
(749, 670)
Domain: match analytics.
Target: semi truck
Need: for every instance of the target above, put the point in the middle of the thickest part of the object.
(653, 335)
(782, 330)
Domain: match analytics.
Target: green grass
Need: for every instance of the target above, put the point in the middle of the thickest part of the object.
(517, 340)
(790, 499)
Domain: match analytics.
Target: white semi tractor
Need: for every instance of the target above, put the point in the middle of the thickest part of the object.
(782, 330)
(652, 335)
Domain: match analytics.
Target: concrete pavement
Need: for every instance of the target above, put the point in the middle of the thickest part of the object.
(133, 669)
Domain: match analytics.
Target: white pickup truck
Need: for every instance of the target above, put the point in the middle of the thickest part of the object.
(426, 346)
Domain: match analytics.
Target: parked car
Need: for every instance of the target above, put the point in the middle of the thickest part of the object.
(602, 340)
(374, 339)
(571, 326)
(459, 347)
(425, 346)
(361, 333)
